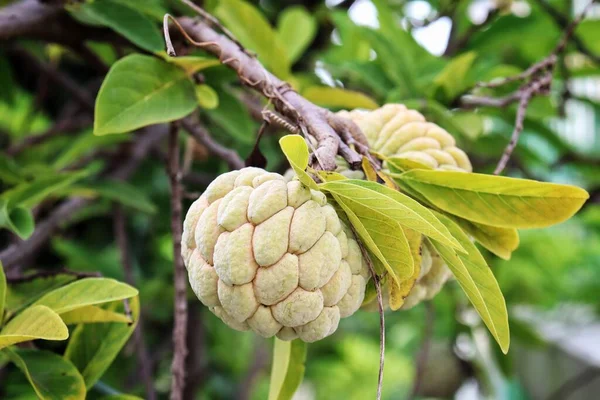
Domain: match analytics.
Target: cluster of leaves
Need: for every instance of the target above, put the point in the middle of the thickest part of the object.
(41, 308)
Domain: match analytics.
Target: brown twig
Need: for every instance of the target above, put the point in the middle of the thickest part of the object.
(144, 362)
(585, 377)
(423, 350)
(377, 284)
(179, 272)
(198, 132)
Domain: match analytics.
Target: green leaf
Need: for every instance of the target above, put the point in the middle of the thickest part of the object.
(36, 322)
(10, 172)
(497, 200)
(382, 236)
(192, 64)
(91, 314)
(478, 282)
(296, 151)
(122, 192)
(254, 31)
(334, 97)
(51, 376)
(126, 21)
(395, 205)
(296, 28)
(500, 241)
(84, 144)
(452, 79)
(287, 371)
(207, 97)
(2, 293)
(29, 194)
(85, 292)
(587, 31)
(93, 347)
(139, 91)
(18, 219)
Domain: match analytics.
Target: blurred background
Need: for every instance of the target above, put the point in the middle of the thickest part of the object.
(341, 54)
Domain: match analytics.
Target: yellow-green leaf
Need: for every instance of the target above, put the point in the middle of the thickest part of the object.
(381, 235)
(91, 314)
(330, 176)
(296, 151)
(36, 322)
(368, 169)
(51, 376)
(334, 97)
(395, 205)
(400, 164)
(452, 78)
(497, 200)
(86, 292)
(500, 241)
(93, 347)
(287, 372)
(478, 282)
(398, 292)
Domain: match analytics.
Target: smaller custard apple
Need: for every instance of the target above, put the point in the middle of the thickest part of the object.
(272, 256)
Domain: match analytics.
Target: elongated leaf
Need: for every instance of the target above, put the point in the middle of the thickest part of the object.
(296, 151)
(382, 236)
(395, 205)
(10, 172)
(296, 28)
(139, 91)
(86, 292)
(29, 194)
(51, 376)
(127, 21)
(399, 292)
(254, 31)
(2, 293)
(22, 294)
(91, 314)
(338, 98)
(288, 368)
(497, 200)
(330, 176)
(500, 241)
(36, 322)
(124, 193)
(478, 283)
(93, 347)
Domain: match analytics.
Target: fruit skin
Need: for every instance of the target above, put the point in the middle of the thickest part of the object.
(272, 256)
(395, 131)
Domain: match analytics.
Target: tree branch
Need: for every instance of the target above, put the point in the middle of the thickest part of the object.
(17, 19)
(310, 118)
(179, 272)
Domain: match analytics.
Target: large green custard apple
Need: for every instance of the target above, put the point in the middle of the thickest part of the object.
(272, 256)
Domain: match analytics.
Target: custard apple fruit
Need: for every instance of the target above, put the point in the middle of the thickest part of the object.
(272, 256)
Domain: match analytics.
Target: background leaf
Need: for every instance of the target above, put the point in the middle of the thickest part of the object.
(338, 98)
(297, 28)
(139, 91)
